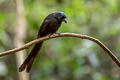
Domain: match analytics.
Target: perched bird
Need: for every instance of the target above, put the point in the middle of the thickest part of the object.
(49, 26)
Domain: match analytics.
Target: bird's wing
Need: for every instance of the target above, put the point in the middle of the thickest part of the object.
(43, 27)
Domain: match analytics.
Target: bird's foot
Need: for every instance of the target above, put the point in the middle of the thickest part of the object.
(49, 35)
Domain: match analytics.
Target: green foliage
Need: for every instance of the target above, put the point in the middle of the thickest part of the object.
(68, 58)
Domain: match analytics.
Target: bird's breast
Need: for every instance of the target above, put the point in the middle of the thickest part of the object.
(53, 27)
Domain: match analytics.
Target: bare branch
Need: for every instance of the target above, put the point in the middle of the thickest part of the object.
(115, 59)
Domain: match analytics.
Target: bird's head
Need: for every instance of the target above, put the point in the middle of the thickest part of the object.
(61, 16)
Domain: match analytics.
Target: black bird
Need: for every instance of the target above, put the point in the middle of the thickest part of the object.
(49, 26)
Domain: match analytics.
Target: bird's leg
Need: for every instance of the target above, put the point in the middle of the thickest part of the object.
(53, 33)
(49, 35)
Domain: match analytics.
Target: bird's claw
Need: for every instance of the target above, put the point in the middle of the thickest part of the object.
(49, 35)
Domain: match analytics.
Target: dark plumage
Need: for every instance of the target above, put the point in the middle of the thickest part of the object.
(50, 25)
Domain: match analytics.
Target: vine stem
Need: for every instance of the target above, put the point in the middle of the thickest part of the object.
(55, 35)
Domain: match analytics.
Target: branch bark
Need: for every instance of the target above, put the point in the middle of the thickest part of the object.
(55, 35)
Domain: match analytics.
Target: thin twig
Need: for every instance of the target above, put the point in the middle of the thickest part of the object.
(115, 59)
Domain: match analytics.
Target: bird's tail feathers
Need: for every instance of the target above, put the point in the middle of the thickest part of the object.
(29, 60)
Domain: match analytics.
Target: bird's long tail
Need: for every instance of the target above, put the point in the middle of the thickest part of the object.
(29, 60)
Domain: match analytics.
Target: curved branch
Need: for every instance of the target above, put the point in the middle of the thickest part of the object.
(115, 59)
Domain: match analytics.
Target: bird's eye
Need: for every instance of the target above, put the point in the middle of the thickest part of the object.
(63, 17)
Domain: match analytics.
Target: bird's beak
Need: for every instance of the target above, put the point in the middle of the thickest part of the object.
(65, 20)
